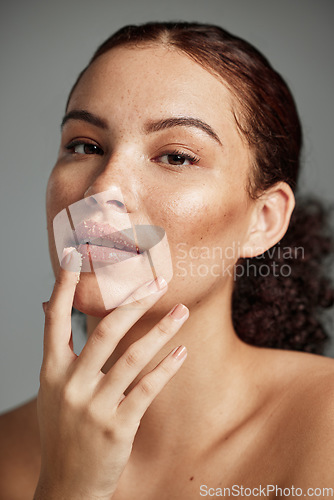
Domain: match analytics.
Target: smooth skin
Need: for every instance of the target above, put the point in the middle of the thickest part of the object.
(233, 413)
(81, 401)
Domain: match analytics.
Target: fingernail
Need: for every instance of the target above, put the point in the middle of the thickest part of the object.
(71, 259)
(44, 305)
(158, 284)
(66, 257)
(179, 311)
(180, 353)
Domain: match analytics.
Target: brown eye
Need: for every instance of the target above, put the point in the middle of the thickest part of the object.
(176, 159)
(84, 148)
(179, 159)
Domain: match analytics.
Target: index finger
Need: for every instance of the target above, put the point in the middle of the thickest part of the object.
(57, 331)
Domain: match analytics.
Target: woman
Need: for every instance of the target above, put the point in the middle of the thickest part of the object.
(201, 138)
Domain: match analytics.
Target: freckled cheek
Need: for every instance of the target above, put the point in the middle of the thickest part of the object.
(62, 190)
(199, 219)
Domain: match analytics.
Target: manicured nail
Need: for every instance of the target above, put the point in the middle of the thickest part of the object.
(66, 257)
(179, 311)
(156, 285)
(44, 305)
(71, 259)
(180, 353)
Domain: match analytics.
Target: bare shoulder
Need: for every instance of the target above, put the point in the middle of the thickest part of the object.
(304, 368)
(307, 402)
(316, 406)
(307, 379)
(19, 452)
(312, 379)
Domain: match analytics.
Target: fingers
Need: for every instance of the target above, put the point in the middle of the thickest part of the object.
(57, 331)
(45, 305)
(140, 353)
(134, 405)
(114, 326)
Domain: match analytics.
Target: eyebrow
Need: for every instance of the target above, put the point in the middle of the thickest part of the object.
(86, 116)
(182, 121)
(152, 126)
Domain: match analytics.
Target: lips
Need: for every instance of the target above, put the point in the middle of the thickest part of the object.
(105, 236)
(102, 244)
(104, 254)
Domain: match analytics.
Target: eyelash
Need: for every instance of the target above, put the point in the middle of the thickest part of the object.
(70, 147)
(177, 152)
(193, 159)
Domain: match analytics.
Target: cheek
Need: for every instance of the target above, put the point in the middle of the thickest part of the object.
(195, 217)
(62, 190)
(56, 195)
(205, 230)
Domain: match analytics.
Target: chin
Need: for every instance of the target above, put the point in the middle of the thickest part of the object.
(88, 299)
(91, 309)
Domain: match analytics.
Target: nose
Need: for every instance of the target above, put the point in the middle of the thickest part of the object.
(115, 187)
(112, 198)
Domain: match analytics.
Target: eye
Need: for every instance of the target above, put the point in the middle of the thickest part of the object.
(84, 148)
(178, 158)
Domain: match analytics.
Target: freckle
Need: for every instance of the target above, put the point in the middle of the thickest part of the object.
(192, 477)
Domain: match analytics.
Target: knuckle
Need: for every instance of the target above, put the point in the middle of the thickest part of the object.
(166, 370)
(147, 386)
(69, 395)
(99, 334)
(93, 415)
(162, 328)
(137, 300)
(50, 315)
(132, 356)
(61, 278)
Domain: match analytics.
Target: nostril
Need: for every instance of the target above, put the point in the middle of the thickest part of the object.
(91, 201)
(117, 204)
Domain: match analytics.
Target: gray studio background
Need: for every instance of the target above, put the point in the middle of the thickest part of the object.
(44, 45)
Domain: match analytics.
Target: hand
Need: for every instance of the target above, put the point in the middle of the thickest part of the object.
(87, 425)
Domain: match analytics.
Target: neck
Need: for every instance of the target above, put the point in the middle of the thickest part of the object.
(212, 381)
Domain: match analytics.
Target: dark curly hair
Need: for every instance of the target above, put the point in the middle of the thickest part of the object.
(273, 309)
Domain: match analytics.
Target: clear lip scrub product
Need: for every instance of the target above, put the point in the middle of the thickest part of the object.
(121, 254)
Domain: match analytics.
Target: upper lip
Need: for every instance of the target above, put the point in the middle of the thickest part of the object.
(104, 234)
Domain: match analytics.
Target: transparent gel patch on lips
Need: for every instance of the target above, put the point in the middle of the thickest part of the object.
(122, 255)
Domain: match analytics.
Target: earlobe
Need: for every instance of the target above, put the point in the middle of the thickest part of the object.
(270, 219)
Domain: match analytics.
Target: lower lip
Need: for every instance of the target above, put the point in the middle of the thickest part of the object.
(104, 254)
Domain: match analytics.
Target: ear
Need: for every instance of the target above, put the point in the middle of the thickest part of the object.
(269, 220)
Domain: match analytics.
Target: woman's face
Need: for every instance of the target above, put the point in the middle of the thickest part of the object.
(188, 177)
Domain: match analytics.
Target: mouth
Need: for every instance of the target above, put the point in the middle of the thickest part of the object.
(117, 243)
(104, 243)
(104, 254)
(104, 235)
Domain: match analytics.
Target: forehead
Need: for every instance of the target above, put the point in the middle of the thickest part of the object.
(153, 79)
